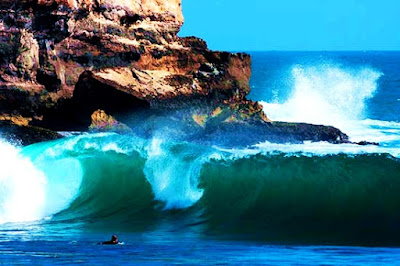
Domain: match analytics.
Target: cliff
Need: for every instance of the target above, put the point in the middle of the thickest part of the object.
(52, 50)
(61, 60)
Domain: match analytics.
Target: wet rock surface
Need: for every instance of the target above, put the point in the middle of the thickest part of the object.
(25, 135)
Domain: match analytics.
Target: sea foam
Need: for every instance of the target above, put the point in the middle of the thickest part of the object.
(33, 183)
(333, 95)
(326, 95)
(22, 187)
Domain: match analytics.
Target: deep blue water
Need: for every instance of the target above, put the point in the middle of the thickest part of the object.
(188, 202)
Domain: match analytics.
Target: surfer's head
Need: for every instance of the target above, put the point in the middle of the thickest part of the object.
(114, 239)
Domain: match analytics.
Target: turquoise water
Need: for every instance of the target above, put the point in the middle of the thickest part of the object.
(178, 196)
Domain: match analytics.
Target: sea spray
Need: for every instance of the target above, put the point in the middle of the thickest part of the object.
(338, 95)
(22, 187)
(173, 172)
(36, 181)
(327, 94)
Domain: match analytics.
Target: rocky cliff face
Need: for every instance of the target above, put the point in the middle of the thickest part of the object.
(64, 63)
(105, 54)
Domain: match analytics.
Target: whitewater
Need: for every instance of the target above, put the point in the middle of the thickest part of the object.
(161, 186)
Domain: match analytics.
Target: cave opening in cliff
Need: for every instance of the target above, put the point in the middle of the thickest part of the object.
(95, 95)
(90, 95)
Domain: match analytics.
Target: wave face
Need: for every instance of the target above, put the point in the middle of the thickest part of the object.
(337, 197)
(265, 191)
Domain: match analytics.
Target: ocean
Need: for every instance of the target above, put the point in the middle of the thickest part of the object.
(174, 197)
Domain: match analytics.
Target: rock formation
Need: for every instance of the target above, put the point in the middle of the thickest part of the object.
(61, 60)
(51, 48)
(17, 131)
(103, 122)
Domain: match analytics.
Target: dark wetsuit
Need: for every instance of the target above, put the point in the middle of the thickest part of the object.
(110, 243)
(113, 241)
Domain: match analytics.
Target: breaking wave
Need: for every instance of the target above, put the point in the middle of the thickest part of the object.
(267, 188)
(33, 188)
(283, 192)
(335, 95)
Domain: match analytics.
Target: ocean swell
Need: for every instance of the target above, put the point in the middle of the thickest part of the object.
(280, 192)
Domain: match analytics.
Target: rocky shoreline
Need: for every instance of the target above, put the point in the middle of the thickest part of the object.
(61, 61)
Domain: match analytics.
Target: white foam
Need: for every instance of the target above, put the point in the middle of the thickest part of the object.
(91, 145)
(22, 187)
(88, 141)
(324, 149)
(34, 184)
(334, 95)
(326, 94)
(306, 149)
(372, 130)
(174, 176)
(113, 147)
(381, 124)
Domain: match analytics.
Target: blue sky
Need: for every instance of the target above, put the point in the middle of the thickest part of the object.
(240, 25)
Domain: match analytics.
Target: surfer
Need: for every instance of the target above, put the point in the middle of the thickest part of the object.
(113, 241)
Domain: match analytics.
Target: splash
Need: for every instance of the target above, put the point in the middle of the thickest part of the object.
(173, 172)
(22, 187)
(33, 185)
(326, 94)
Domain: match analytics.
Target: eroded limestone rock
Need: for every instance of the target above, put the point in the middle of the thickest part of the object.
(130, 45)
(102, 122)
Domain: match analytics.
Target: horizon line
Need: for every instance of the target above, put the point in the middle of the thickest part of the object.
(275, 50)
